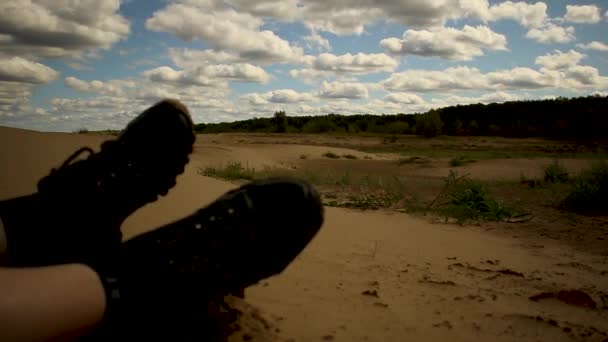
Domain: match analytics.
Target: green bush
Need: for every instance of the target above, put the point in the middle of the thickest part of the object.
(555, 173)
(331, 155)
(460, 161)
(232, 171)
(465, 199)
(590, 191)
(413, 160)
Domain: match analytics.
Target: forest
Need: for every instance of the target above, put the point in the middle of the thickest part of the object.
(580, 118)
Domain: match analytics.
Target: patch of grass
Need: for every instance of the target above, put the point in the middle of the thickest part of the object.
(232, 171)
(464, 200)
(555, 173)
(460, 161)
(589, 192)
(350, 156)
(331, 155)
(413, 160)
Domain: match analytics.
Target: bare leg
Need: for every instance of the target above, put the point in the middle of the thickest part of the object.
(55, 303)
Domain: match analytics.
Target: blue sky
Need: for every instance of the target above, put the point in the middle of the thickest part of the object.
(68, 64)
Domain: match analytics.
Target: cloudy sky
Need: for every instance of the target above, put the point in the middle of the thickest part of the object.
(67, 64)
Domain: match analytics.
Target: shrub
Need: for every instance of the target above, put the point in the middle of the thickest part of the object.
(555, 173)
(589, 191)
(465, 199)
(232, 171)
(460, 161)
(331, 155)
(349, 156)
(413, 160)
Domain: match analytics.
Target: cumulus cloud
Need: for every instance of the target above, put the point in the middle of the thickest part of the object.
(315, 41)
(560, 60)
(495, 97)
(455, 78)
(215, 75)
(328, 65)
(346, 90)
(407, 98)
(584, 14)
(285, 9)
(360, 63)
(551, 33)
(223, 29)
(594, 45)
(191, 58)
(114, 87)
(278, 96)
(447, 42)
(17, 69)
(169, 75)
(528, 15)
(558, 71)
(40, 28)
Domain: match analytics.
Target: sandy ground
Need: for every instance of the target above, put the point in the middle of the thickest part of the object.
(372, 276)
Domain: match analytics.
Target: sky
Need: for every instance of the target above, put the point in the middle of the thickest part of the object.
(96, 64)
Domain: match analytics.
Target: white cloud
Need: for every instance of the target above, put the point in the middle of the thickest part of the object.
(560, 60)
(528, 15)
(584, 14)
(114, 87)
(17, 69)
(594, 45)
(455, 78)
(42, 28)
(346, 90)
(600, 93)
(278, 96)
(310, 75)
(316, 41)
(360, 63)
(406, 98)
(496, 97)
(13, 96)
(551, 33)
(519, 78)
(558, 71)
(189, 58)
(447, 42)
(240, 72)
(338, 19)
(168, 75)
(214, 75)
(223, 29)
(328, 65)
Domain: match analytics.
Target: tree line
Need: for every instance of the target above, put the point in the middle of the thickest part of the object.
(575, 118)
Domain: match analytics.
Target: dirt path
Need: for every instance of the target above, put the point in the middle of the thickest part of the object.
(379, 277)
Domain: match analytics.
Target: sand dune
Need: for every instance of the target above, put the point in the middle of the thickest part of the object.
(372, 276)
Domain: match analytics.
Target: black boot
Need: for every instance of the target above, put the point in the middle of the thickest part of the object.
(168, 276)
(76, 214)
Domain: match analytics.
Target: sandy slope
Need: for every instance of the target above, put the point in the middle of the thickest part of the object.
(424, 282)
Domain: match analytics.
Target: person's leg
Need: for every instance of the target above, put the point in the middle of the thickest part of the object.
(75, 215)
(54, 303)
